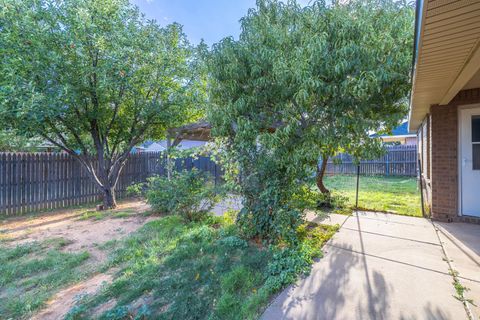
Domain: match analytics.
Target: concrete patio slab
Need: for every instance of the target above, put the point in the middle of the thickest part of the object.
(330, 219)
(229, 203)
(462, 244)
(378, 266)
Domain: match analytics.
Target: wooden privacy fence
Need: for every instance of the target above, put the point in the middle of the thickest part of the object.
(32, 182)
(398, 161)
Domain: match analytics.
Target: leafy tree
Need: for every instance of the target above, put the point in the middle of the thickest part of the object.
(94, 78)
(355, 78)
(301, 83)
(10, 141)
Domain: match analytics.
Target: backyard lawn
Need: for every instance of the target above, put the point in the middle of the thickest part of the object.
(48, 257)
(30, 273)
(398, 195)
(126, 264)
(170, 269)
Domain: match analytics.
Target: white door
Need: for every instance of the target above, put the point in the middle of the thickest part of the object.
(470, 161)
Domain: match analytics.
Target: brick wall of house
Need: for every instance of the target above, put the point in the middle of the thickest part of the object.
(438, 152)
(444, 167)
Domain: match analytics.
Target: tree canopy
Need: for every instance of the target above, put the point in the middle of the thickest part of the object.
(303, 83)
(95, 78)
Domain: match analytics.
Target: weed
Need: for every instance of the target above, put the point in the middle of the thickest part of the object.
(99, 215)
(57, 243)
(121, 214)
(93, 215)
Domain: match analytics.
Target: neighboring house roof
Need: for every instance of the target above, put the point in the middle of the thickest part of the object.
(147, 143)
(45, 145)
(446, 57)
(401, 132)
(155, 147)
(159, 146)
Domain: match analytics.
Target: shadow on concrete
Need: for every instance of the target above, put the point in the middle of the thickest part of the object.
(430, 313)
(395, 237)
(377, 289)
(354, 281)
(323, 294)
(465, 236)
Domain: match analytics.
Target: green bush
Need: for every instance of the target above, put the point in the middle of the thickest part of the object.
(189, 194)
(331, 201)
(136, 190)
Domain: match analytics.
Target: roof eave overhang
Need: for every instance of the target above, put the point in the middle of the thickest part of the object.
(420, 10)
(446, 54)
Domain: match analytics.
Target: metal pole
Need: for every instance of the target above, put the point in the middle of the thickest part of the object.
(421, 186)
(358, 180)
(169, 164)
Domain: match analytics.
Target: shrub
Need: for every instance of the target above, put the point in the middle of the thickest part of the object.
(136, 190)
(189, 194)
(290, 260)
(331, 201)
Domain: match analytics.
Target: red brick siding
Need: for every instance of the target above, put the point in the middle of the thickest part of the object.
(438, 151)
(444, 168)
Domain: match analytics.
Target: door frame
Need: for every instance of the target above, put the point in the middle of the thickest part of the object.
(459, 150)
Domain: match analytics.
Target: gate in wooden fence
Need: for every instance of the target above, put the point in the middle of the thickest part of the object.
(398, 161)
(32, 182)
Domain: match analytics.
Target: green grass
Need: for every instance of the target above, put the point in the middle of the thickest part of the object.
(31, 273)
(204, 270)
(398, 195)
(100, 215)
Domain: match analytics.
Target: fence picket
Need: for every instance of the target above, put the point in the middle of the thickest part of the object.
(32, 182)
(398, 161)
(40, 181)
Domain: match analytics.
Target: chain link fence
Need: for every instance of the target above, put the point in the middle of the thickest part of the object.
(376, 191)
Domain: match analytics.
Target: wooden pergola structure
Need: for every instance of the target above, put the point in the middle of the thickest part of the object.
(198, 131)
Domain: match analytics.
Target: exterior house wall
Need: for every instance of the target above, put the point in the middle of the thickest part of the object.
(444, 167)
(438, 152)
(410, 141)
(424, 155)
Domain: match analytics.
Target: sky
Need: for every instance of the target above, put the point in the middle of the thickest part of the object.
(211, 20)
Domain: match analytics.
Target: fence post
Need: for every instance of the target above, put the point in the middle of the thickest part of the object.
(387, 167)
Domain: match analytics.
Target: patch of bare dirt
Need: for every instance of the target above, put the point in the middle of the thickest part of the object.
(64, 300)
(79, 235)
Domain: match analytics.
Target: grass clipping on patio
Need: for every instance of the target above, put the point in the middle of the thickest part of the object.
(170, 269)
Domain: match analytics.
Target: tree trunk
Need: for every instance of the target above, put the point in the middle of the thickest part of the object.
(321, 174)
(110, 184)
(109, 198)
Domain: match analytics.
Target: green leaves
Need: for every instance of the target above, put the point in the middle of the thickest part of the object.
(66, 65)
(95, 78)
(301, 83)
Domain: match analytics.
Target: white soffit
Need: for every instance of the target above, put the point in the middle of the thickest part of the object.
(448, 54)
